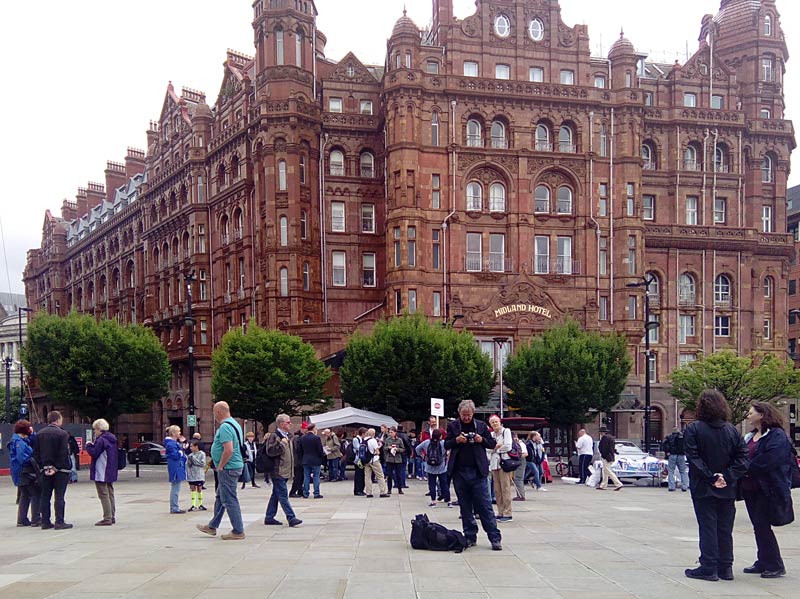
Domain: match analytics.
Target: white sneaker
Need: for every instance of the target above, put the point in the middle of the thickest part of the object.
(542, 489)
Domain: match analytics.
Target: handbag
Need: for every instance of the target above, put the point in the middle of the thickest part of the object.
(244, 477)
(512, 460)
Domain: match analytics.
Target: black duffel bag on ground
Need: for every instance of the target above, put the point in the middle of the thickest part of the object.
(435, 537)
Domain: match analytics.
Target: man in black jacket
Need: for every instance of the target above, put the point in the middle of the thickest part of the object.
(468, 468)
(297, 449)
(673, 448)
(313, 459)
(409, 451)
(717, 460)
(51, 452)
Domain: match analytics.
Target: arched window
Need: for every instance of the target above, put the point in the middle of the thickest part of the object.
(474, 196)
(284, 281)
(542, 197)
(722, 290)
(235, 174)
(653, 288)
(224, 229)
(221, 175)
(284, 226)
(769, 287)
(564, 204)
(129, 274)
(474, 134)
(435, 128)
(687, 289)
(279, 46)
(720, 166)
(690, 159)
(367, 165)
(766, 169)
(768, 25)
(281, 175)
(186, 247)
(306, 276)
(497, 197)
(566, 142)
(543, 138)
(298, 48)
(337, 163)
(648, 156)
(499, 135)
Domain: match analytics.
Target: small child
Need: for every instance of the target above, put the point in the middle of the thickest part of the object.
(196, 473)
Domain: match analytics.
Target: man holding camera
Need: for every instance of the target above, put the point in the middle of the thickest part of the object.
(468, 467)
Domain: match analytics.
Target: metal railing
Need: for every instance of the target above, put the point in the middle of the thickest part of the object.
(545, 265)
(491, 263)
(542, 206)
(543, 146)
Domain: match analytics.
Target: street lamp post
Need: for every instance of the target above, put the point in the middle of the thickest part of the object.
(189, 321)
(23, 407)
(500, 341)
(646, 281)
(8, 361)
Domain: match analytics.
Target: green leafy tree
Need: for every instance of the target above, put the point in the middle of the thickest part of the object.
(406, 361)
(14, 403)
(565, 372)
(99, 369)
(741, 380)
(262, 373)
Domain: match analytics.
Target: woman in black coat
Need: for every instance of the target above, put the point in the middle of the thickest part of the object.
(766, 487)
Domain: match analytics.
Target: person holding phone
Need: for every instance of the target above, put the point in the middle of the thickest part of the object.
(176, 466)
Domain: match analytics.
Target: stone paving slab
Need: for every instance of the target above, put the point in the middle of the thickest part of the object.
(569, 543)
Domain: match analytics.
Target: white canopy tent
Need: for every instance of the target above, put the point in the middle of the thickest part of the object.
(351, 416)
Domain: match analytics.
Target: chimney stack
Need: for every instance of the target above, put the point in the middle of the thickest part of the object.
(134, 163)
(115, 178)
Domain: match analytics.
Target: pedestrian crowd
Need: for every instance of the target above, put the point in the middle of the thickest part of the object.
(486, 464)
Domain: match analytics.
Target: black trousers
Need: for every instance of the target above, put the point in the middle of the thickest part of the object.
(29, 497)
(50, 484)
(759, 509)
(358, 480)
(473, 498)
(715, 520)
(393, 474)
(297, 482)
(583, 467)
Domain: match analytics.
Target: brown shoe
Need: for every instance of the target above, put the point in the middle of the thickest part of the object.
(233, 536)
(103, 523)
(207, 529)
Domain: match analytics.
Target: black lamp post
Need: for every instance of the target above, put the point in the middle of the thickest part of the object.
(501, 341)
(23, 407)
(189, 321)
(646, 281)
(7, 362)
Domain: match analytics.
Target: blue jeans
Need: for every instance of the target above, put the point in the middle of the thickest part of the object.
(534, 470)
(333, 469)
(419, 467)
(343, 469)
(473, 496)
(174, 491)
(404, 472)
(280, 494)
(226, 499)
(307, 472)
(677, 462)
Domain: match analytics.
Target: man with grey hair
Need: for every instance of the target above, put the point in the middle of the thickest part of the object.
(468, 468)
(279, 448)
(227, 455)
(372, 464)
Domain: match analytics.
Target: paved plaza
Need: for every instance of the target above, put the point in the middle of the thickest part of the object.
(572, 542)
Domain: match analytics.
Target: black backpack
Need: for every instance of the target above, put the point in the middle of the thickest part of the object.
(350, 454)
(265, 464)
(434, 454)
(529, 446)
(435, 537)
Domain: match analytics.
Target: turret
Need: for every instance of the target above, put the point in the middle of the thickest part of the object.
(623, 59)
(404, 44)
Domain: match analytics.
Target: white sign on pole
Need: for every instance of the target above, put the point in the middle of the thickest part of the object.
(437, 407)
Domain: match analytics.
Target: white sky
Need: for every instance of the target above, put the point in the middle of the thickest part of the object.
(84, 78)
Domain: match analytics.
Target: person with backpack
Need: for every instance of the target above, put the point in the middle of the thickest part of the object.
(250, 458)
(369, 455)
(103, 470)
(433, 452)
(675, 453)
(25, 474)
(280, 468)
(358, 472)
(717, 460)
(501, 479)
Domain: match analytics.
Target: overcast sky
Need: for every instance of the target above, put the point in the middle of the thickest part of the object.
(83, 79)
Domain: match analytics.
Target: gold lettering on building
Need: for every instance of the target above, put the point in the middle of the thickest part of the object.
(529, 308)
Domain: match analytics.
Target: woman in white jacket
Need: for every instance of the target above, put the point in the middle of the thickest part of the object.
(503, 481)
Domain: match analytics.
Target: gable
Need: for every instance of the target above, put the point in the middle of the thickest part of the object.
(352, 69)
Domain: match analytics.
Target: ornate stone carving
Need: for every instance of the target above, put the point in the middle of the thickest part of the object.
(471, 26)
(566, 36)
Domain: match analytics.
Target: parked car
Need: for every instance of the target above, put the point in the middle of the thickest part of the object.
(148, 453)
(633, 463)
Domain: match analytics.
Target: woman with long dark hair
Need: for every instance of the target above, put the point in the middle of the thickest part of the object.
(717, 460)
(766, 487)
